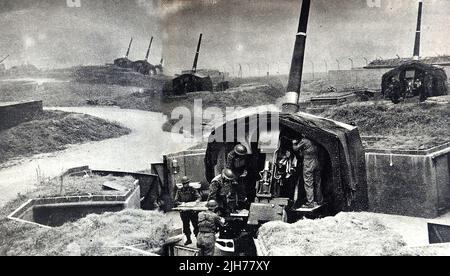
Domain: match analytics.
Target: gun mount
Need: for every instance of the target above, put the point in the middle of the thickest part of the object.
(192, 81)
(143, 66)
(125, 62)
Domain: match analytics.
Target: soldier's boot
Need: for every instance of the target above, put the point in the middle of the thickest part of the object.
(188, 240)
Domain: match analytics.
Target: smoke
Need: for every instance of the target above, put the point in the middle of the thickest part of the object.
(29, 42)
(164, 8)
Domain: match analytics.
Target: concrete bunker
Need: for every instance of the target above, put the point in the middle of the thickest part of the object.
(342, 155)
(409, 183)
(54, 211)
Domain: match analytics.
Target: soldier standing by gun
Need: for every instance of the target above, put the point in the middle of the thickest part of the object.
(185, 195)
(209, 223)
(237, 161)
(311, 171)
(223, 190)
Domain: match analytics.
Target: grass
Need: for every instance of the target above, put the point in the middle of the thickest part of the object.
(63, 93)
(53, 131)
(347, 234)
(95, 235)
(78, 186)
(407, 126)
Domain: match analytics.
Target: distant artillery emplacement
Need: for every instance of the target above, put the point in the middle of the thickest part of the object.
(192, 81)
(125, 62)
(143, 66)
(415, 78)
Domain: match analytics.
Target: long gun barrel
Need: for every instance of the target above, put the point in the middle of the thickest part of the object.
(149, 48)
(129, 48)
(296, 72)
(418, 32)
(194, 67)
(4, 59)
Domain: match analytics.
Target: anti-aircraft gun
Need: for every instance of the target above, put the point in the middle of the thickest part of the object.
(192, 81)
(125, 62)
(160, 67)
(415, 78)
(341, 155)
(143, 66)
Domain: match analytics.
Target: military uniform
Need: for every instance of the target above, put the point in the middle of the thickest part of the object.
(209, 223)
(238, 164)
(185, 195)
(224, 192)
(311, 171)
(428, 88)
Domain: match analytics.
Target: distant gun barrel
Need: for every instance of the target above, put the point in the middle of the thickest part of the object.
(418, 32)
(129, 48)
(296, 72)
(5, 58)
(194, 67)
(149, 49)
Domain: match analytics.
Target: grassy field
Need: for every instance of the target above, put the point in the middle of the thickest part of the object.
(62, 93)
(408, 126)
(53, 131)
(93, 185)
(96, 235)
(347, 234)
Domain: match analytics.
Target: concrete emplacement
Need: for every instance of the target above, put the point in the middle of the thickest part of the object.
(15, 113)
(56, 211)
(404, 183)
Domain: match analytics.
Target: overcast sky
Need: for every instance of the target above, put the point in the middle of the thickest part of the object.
(250, 32)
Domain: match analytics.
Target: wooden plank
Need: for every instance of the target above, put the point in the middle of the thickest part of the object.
(109, 185)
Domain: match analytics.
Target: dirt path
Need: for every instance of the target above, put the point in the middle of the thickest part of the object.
(135, 152)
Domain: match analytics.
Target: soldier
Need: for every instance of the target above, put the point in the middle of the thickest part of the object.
(223, 190)
(427, 90)
(184, 195)
(237, 161)
(311, 171)
(209, 223)
(394, 90)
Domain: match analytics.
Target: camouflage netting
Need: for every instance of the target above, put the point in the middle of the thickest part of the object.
(439, 77)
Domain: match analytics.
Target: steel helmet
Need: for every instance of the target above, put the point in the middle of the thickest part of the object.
(240, 150)
(228, 174)
(212, 205)
(185, 180)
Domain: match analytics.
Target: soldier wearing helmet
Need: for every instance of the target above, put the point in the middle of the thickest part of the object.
(209, 223)
(188, 194)
(223, 190)
(237, 161)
